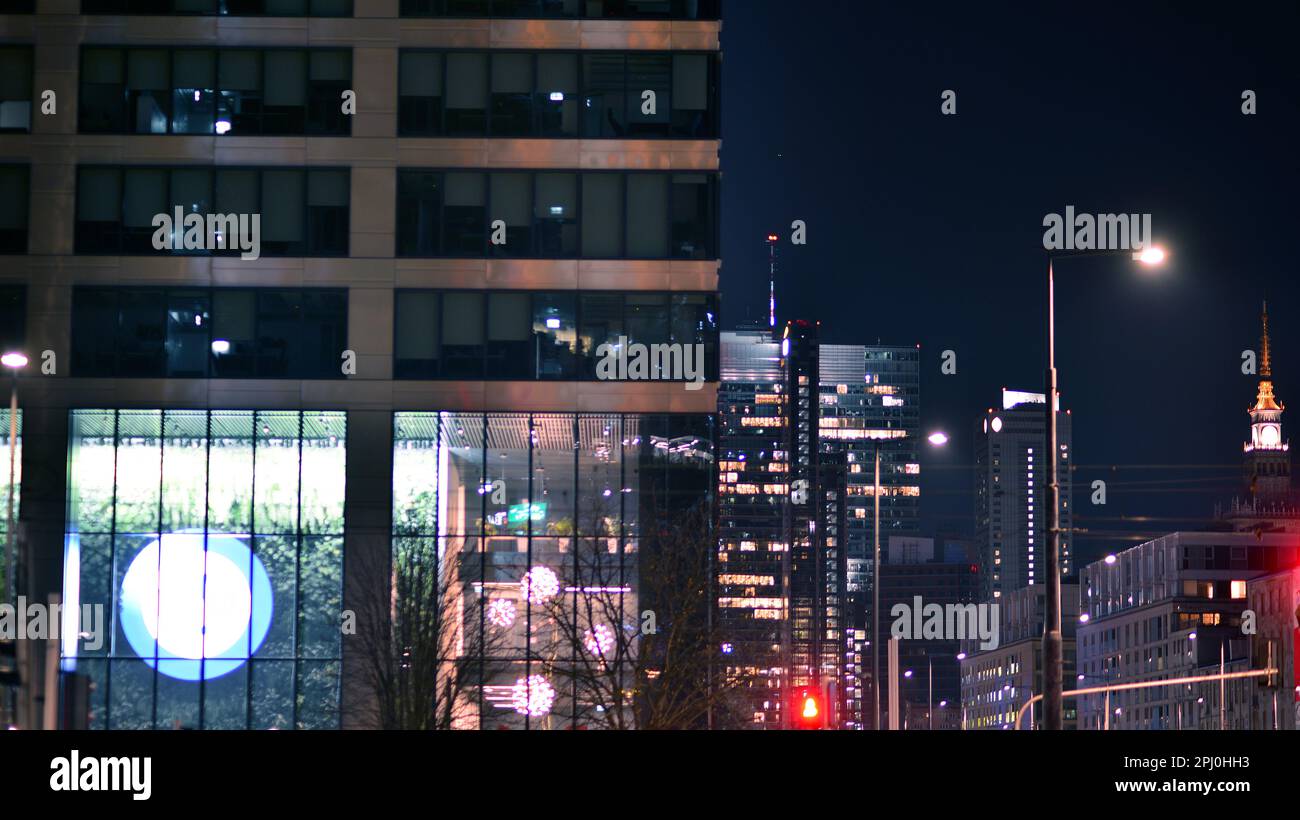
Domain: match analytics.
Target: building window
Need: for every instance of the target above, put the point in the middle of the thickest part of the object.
(169, 509)
(557, 215)
(240, 92)
(557, 94)
(546, 336)
(223, 333)
(233, 8)
(531, 521)
(590, 9)
(13, 208)
(301, 212)
(15, 88)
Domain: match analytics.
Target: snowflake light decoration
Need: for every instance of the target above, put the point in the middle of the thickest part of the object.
(501, 613)
(599, 640)
(539, 584)
(532, 696)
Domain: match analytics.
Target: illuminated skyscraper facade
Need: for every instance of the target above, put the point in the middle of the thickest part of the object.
(1010, 482)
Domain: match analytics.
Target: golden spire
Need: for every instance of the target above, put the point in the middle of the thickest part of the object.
(1265, 400)
(1265, 360)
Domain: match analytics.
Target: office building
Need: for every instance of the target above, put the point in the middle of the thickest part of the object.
(1010, 488)
(459, 212)
(1164, 609)
(996, 682)
(753, 608)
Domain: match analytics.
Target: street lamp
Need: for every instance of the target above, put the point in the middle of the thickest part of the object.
(1053, 660)
(936, 439)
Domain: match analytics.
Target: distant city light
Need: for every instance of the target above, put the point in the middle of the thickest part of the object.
(938, 439)
(14, 360)
(1150, 256)
(1084, 618)
(1111, 559)
(553, 324)
(557, 96)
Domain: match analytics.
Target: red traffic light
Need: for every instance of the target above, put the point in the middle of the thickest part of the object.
(809, 708)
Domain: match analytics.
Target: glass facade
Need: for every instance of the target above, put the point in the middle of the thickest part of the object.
(303, 211)
(558, 94)
(236, 91)
(270, 8)
(538, 526)
(13, 208)
(220, 333)
(212, 543)
(548, 336)
(15, 88)
(591, 9)
(557, 214)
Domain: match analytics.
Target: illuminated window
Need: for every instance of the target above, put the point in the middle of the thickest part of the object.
(172, 509)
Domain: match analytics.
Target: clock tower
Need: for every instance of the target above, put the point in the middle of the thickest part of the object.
(1268, 456)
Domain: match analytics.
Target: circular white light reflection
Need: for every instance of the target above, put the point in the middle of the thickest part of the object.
(192, 612)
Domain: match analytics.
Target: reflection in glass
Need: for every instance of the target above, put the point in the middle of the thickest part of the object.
(242, 513)
(554, 501)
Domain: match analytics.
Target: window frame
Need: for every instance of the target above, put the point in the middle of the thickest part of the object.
(713, 91)
(212, 170)
(166, 293)
(712, 358)
(488, 252)
(124, 112)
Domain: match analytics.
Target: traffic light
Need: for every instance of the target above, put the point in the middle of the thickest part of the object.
(809, 708)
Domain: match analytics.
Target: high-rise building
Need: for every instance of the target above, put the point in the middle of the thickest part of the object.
(1010, 485)
(871, 397)
(815, 516)
(461, 214)
(753, 491)
(997, 681)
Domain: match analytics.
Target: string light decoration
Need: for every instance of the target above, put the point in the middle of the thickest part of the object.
(501, 613)
(599, 640)
(532, 696)
(539, 584)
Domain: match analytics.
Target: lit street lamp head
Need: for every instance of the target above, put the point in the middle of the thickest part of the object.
(1150, 256)
(937, 439)
(13, 359)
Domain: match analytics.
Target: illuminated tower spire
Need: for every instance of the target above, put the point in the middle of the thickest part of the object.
(771, 282)
(1268, 456)
(1265, 360)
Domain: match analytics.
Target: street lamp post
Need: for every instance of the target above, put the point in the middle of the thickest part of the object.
(937, 440)
(15, 362)
(1053, 661)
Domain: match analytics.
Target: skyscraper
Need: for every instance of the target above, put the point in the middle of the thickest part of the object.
(753, 491)
(871, 396)
(1010, 525)
(462, 209)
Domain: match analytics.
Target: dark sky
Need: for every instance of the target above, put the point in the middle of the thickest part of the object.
(927, 229)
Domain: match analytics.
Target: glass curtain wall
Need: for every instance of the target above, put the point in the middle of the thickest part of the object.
(535, 526)
(203, 567)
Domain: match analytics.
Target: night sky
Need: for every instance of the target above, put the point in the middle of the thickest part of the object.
(927, 229)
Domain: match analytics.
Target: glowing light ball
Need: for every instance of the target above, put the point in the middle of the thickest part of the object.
(532, 696)
(501, 613)
(193, 613)
(539, 584)
(600, 640)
